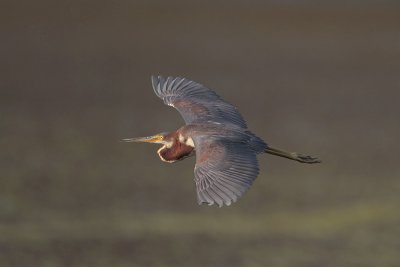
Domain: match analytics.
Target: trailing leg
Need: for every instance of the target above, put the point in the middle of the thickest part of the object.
(292, 155)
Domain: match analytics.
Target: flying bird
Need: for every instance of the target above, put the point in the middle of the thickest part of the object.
(226, 151)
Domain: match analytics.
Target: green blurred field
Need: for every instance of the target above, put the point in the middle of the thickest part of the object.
(320, 79)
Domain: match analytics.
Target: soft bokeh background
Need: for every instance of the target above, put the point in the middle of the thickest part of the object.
(314, 77)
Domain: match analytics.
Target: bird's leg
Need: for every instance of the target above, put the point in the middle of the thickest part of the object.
(292, 155)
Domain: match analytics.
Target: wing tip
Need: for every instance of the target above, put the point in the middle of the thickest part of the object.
(158, 81)
(162, 77)
(211, 201)
(219, 205)
(154, 82)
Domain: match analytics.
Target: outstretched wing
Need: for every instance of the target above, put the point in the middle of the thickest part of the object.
(224, 170)
(195, 102)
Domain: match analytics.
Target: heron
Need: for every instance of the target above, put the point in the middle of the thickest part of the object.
(216, 133)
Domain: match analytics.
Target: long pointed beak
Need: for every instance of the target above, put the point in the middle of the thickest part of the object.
(147, 139)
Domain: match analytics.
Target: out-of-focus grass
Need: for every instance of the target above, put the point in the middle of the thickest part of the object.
(363, 234)
(312, 224)
(317, 79)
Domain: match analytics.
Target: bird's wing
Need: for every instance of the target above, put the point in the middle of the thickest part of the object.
(224, 170)
(196, 103)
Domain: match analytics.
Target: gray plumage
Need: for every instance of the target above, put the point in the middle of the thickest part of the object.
(226, 152)
(196, 103)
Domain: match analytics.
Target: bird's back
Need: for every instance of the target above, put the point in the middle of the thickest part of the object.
(234, 134)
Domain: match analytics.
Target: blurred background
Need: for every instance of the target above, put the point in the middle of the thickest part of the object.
(317, 77)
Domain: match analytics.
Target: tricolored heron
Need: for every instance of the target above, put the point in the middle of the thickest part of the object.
(226, 151)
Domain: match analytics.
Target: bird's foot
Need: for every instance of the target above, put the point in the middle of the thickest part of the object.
(305, 158)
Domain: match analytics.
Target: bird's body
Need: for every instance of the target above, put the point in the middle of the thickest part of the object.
(182, 145)
(226, 151)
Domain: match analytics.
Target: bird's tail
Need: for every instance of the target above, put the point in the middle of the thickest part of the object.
(292, 155)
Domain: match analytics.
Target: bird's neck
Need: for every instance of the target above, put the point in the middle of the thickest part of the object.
(176, 152)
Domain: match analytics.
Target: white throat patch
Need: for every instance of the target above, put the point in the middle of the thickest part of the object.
(161, 157)
(188, 141)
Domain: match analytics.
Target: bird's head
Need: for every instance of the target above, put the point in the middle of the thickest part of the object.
(164, 138)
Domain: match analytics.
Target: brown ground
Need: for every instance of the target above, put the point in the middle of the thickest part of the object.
(320, 79)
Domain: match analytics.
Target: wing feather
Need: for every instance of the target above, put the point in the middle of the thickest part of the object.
(224, 170)
(196, 103)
